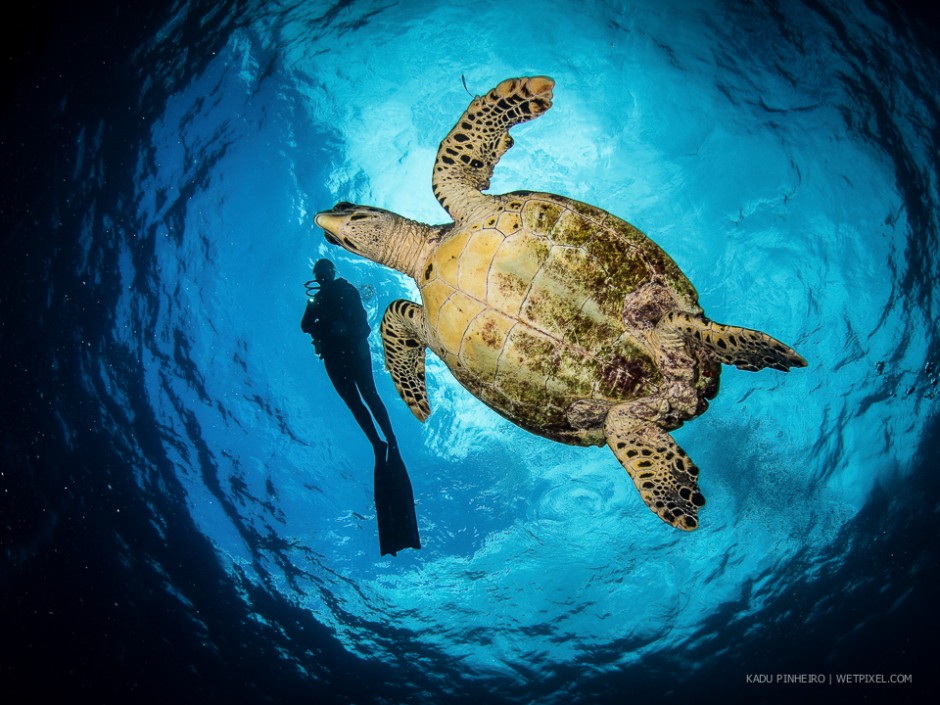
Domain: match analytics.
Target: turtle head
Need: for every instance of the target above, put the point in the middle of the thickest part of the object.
(373, 233)
(362, 230)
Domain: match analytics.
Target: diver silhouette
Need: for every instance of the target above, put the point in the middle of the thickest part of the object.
(338, 325)
(336, 320)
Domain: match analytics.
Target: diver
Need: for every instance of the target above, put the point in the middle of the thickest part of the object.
(338, 325)
(336, 320)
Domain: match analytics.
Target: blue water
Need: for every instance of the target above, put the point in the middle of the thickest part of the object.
(187, 504)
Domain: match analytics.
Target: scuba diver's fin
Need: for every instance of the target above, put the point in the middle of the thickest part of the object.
(395, 505)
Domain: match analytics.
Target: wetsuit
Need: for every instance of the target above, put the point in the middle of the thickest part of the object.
(336, 320)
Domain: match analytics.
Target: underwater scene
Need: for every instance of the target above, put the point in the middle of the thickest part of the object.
(197, 505)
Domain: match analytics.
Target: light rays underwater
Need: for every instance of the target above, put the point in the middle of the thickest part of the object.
(186, 496)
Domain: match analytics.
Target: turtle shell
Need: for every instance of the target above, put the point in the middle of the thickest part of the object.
(526, 306)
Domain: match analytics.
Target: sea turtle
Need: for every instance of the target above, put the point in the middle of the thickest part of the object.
(563, 318)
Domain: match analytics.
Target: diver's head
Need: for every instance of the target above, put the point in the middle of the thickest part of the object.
(362, 230)
(324, 271)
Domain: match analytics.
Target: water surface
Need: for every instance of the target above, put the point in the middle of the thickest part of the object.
(187, 503)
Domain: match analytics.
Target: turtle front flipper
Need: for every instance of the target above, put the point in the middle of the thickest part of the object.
(404, 341)
(744, 348)
(665, 477)
(468, 155)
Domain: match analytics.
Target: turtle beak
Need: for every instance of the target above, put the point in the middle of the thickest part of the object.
(330, 224)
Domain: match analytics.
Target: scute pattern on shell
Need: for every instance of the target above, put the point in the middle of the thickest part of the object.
(525, 304)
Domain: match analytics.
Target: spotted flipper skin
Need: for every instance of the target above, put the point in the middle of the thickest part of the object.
(469, 153)
(744, 348)
(665, 477)
(404, 341)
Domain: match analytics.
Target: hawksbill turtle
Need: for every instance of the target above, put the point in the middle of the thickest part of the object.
(561, 317)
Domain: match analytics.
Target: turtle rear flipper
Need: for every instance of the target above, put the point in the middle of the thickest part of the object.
(469, 153)
(404, 341)
(665, 477)
(744, 348)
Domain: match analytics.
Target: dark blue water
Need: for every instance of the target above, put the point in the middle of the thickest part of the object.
(186, 503)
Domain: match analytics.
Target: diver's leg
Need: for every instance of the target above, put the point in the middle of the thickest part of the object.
(341, 374)
(362, 370)
(371, 396)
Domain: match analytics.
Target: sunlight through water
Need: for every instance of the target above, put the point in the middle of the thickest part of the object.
(784, 154)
